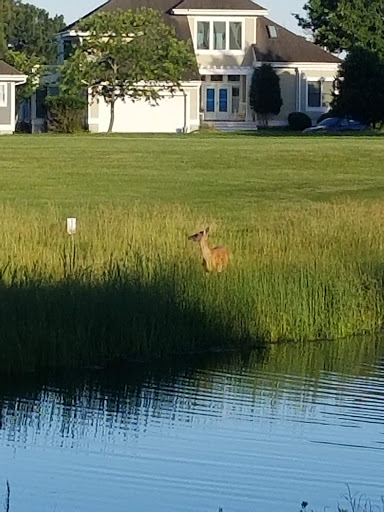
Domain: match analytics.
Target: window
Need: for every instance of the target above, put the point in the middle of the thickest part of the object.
(219, 35)
(314, 94)
(235, 38)
(216, 78)
(235, 99)
(272, 31)
(3, 95)
(319, 94)
(203, 35)
(233, 78)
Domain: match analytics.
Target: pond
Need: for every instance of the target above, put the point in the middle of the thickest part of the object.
(254, 432)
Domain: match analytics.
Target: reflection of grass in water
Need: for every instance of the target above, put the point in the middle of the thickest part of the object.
(352, 503)
(129, 284)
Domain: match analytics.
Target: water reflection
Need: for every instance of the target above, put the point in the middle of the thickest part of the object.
(253, 432)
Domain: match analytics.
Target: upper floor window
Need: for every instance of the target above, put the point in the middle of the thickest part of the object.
(219, 35)
(203, 35)
(272, 31)
(3, 95)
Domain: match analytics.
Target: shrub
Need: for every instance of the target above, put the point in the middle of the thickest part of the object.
(66, 114)
(299, 121)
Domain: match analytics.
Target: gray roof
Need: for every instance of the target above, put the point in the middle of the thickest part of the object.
(287, 46)
(6, 69)
(180, 23)
(237, 5)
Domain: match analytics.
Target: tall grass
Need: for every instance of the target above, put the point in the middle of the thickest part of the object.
(129, 284)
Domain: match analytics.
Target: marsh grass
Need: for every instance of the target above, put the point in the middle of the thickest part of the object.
(130, 285)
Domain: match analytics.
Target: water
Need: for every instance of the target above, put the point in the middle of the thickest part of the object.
(261, 432)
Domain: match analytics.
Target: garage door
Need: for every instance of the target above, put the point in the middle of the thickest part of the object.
(141, 116)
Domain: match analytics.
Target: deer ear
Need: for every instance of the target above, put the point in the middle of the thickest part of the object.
(207, 230)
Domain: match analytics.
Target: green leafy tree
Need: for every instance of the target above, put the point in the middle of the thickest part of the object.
(30, 29)
(265, 93)
(361, 87)
(345, 24)
(32, 67)
(5, 10)
(128, 55)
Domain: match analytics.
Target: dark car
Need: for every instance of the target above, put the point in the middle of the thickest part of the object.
(337, 124)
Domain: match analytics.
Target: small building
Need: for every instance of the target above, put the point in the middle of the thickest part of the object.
(10, 78)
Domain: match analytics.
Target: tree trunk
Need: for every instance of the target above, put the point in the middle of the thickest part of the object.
(112, 120)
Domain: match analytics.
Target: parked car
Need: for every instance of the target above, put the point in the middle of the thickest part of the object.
(337, 124)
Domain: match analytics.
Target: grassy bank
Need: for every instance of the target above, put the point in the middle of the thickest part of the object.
(129, 284)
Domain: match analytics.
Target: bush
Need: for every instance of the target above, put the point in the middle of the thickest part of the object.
(299, 121)
(66, 114)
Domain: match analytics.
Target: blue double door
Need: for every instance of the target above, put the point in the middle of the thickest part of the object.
(217, 102)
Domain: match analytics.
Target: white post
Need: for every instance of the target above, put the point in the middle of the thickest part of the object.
(71, 226)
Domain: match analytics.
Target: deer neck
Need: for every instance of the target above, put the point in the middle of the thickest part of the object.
(205, 250)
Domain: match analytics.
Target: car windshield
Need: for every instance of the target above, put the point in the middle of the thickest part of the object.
(331, 121)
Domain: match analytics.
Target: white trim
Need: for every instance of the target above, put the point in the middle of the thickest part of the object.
(225, 70)
(327, 66)
(4, 94)
(211, 50)
(21, 79)
(219, 12)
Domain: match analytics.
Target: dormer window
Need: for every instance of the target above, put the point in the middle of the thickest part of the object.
(203, 35)
(219, 35)
(272, 31)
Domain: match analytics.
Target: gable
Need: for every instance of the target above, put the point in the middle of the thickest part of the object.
(286, 46)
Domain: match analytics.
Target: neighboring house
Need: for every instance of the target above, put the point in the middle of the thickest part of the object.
(10, 78)
(230, 39)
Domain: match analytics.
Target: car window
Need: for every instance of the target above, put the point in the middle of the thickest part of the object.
(345, 123)
(331, 121)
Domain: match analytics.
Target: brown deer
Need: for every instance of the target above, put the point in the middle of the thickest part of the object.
(215, 259)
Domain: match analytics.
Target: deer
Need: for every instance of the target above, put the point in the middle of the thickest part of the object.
(215, 259)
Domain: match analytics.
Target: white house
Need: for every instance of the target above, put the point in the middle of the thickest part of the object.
(230, 39)
(9, 79)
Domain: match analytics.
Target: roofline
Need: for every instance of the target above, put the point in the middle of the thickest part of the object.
(301, 65)
(220, 12)
(13, 78)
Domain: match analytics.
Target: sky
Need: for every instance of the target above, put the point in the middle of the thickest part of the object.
(279, 10)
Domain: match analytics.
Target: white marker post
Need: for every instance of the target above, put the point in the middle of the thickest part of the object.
(71, 226)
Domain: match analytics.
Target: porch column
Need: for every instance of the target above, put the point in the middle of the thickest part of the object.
(248, 110)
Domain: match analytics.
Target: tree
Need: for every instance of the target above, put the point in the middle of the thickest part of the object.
(127, 55)
(30, 29)
(5, 7)
(345, 24)
(361, 87)
(31, 67)
(265, 93)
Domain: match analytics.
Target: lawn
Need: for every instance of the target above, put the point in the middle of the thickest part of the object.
(229, 175)
(303, 219)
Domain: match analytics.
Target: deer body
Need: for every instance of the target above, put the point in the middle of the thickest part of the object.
(215, 259)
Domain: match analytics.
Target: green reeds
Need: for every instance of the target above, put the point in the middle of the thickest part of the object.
(129, 284)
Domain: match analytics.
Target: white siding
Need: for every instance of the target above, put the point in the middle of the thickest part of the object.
(141, 116)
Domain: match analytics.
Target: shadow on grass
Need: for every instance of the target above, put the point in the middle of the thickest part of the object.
(73, 324)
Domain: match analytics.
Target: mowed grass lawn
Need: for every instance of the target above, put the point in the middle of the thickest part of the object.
(228, 175)
(303, 218)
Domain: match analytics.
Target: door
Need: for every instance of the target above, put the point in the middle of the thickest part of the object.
(217, 104)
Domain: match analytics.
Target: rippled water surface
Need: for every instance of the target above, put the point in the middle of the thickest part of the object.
(261, 432)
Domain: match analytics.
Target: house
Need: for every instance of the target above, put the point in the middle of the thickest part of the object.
(230, 39)
(10, 78)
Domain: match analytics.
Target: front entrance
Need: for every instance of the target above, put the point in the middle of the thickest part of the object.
(221, 98)
(217, 102)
